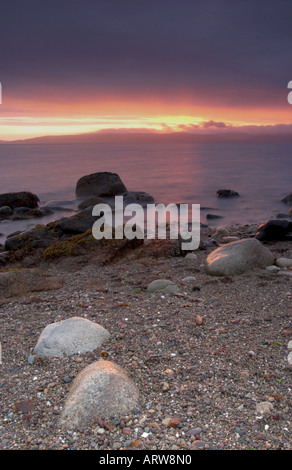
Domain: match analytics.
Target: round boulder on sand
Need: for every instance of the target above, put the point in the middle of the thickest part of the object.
(238, 257)
(101, 390)
(72, 336)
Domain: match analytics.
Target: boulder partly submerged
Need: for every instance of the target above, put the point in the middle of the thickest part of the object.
(238, 257)
(101, 390)
(19, 199)
(100, 184)
(227, 193)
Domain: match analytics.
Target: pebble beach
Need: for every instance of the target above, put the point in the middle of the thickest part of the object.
(210, 360)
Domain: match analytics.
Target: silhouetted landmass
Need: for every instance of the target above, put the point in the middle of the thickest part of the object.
(157, 137)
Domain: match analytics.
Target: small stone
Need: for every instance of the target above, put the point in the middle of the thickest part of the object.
(199, 320)
(190, 257)
(221, 232)
(165, 386)
(162, 286)
(189, 279)
(30, 359)
(194, 432)
(197, 445)
(273, 268)
(67, 380)
(284, 262)
(264, 407)
(244, 374)
(171, 422)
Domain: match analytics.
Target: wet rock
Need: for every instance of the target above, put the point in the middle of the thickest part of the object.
(101, 390)
(100, 184)
(226, 193)
(238, 257)
(76, 224)
(4, 257)
(5, 211)
(19, 199)
(58, 205)
(275, 229)
(38, 237)
(287, 199)
(72, 336)
(21, 213)
(137, 197)
(90, 202)
(213, 216)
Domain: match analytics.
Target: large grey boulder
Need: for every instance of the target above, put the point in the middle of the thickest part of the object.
(238, 257)
(72, 336)
(101, 390)
(100, 184)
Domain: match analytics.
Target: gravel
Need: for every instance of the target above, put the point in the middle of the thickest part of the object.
(203, 359)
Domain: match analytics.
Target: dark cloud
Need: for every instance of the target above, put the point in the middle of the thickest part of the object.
(217, 125)
(230, 53)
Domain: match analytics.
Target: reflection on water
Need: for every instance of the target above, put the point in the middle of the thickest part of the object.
(172, 173)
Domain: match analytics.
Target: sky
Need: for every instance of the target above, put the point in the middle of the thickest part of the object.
(69, 67)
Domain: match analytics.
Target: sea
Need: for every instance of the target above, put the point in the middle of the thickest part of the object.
(172, 173)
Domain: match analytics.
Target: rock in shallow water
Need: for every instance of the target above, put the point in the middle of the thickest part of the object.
(100, 184)
(238, 257)
(226, 193)
(20, 199)
(101, 390)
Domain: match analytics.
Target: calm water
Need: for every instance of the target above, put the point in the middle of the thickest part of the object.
(190, 173)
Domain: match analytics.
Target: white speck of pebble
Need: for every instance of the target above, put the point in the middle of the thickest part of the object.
(266, 427)
(145, 434)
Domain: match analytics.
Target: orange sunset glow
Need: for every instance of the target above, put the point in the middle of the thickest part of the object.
(21, 118)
